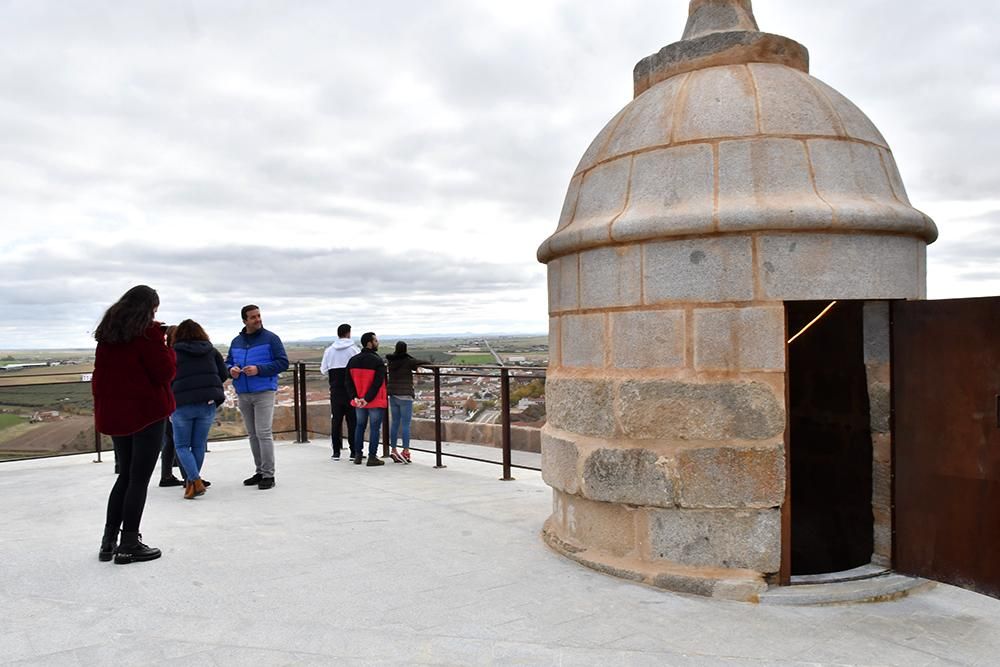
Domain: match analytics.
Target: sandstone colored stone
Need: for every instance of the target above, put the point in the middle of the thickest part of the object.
(563, 282)
(732, 477)
(555, 335)
(875, 318)
(802, 267)
(855, 123)
(606, 527)
(611, 277)
(718, 102)
(597, 149)
(766, 184)
(672, 192)
(705, 269)
(791, 105)
(648, 339)
(569, 204)
(648, 120)
(602, 198)
(653, 409)
(559, 463)
(882, 447)
(745, 539)
(631, 476)
(580, 406)
(582, 341)
(880, 407)
(898, 189)
(739, 338)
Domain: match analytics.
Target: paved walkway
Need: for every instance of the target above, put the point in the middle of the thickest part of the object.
(349, 565)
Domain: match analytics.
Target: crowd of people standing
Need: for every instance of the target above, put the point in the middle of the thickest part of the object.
(157, 388)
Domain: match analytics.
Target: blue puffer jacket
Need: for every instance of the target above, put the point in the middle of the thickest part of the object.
(262, 349)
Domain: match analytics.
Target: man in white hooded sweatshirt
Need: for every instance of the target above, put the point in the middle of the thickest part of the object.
(335, 358)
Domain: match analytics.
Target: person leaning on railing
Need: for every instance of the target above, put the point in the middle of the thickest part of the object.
(400, 386)
(133, 368)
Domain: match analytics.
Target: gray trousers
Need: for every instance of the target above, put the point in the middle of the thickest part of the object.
(258, 413)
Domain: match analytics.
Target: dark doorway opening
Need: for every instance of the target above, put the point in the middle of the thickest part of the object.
(829, 440)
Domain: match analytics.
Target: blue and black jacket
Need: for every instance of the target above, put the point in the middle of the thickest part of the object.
(262, 349)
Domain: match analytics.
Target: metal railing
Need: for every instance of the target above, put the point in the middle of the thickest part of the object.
(299, 372)
(504, 374)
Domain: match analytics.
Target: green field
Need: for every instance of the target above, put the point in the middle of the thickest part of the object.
(6, 421)
(472, 359)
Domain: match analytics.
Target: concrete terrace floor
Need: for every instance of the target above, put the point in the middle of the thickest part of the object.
(349, 565)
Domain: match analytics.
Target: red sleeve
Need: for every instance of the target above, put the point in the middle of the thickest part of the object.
(159, 361)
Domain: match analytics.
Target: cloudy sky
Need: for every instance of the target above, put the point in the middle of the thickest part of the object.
(396, 164)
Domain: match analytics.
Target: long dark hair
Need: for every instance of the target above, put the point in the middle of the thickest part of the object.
(129, 317)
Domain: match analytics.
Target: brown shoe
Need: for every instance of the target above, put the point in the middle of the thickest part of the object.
(199, 487)
(189, 491)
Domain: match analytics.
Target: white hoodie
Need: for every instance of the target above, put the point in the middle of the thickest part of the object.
(338, 354)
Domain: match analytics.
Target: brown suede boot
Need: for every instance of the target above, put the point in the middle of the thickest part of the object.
(189, 493)
(199, 487)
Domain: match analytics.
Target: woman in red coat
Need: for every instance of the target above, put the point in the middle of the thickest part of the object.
(133, 369)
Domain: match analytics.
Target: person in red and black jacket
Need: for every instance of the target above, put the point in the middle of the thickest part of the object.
(365, 384)
(133, 369)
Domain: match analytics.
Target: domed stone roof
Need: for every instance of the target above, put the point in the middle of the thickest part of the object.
(728, 133)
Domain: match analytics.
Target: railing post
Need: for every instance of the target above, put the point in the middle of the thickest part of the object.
(303, 403)
(97, 443)
(505, 416)
(437, 419)
(295, 402)
(385, 432)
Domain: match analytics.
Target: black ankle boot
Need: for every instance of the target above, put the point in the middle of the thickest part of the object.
(108, 544)
(131, 550)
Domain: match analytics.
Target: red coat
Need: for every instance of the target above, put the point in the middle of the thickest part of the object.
(131, 383)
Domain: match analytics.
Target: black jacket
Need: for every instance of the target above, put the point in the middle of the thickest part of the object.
(401, 367)
(200, 373)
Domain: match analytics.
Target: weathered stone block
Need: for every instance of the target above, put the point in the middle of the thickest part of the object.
(739, 339)
(580, 406)
(555, 335)
(790, 104)
(582, 343)
(748, 539)
(648, 120)
(706, 269)
(559, 463)
(569, 204)
(597, 150)
(648, 339)
(765, 184)
(672, 192)
(611, 277)
(606, 527)
(838, 266)
(651, 409)
(856, 124)
(898, 189)
(875, 318)
(880, 406)
(631, 476)
(851, 178)
(602, 197)
(882, 447)
(733, 477)
(718, 102)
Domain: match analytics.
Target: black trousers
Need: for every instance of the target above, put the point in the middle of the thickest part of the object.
(135, 457)
(341, 408)
(168, 458)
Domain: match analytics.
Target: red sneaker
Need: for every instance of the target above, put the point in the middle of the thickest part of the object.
(406, 455)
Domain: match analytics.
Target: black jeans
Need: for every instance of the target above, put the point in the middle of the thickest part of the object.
(339, 409)
(135, 457)
(168, 458)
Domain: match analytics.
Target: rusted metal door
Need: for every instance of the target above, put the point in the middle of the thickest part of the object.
(946, 402)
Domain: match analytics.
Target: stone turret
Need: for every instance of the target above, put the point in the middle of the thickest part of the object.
(732, 183)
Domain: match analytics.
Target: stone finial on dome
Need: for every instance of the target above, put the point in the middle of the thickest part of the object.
(708, 16)
(718, 32)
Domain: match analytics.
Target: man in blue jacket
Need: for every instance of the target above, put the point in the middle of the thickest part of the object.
(255, 358)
